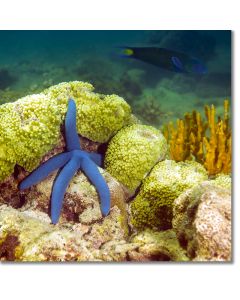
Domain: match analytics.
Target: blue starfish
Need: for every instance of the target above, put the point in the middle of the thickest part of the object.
(71, 160)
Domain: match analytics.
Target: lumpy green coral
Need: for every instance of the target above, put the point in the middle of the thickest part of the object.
(99, 116)
(133, 151)
(30, 127)
(223, 181)
(152, 207)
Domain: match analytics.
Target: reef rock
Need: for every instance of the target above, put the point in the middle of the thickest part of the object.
(152, 207)
(202, 221)
(157, 246)
(33, 238)
(144, 246)
(29, 236)
(81, 200)
(26, 233)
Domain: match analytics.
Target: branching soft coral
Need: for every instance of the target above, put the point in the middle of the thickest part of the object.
(207, 141)
(218, 145)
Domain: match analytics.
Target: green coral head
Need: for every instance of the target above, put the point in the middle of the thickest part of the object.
(30, 127)
(99, 116)
(133, 151)
(168, 179)
(223, 181)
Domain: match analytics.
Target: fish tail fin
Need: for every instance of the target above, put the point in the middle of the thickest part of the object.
(198, 66)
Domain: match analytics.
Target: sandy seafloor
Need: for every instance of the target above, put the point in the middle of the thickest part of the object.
(33, 60)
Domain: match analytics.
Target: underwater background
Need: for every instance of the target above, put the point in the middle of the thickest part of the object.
(31, 61)
(126, 191)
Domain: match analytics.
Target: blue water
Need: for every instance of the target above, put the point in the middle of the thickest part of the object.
(33, 60)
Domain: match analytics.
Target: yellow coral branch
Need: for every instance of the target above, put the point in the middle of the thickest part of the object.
(208, 142)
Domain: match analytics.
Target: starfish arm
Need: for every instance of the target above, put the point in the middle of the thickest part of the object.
(97, 158)
(72, 139)
(60, 186)
(96, 178)
(44, 170)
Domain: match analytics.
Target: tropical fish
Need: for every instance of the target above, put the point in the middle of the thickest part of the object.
(167, 59)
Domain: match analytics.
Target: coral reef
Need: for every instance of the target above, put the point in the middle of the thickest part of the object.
(218, 145)
(202, 221)
(81, 200)
(29, 236)
(9, 188)
(208, 142)
(99, 117)
(132, 152)
(157, 245)
(147, 245)
(30, 127)
(223, 181)
(73, 159)
(152, 207)
(174, 215)
(170, 191)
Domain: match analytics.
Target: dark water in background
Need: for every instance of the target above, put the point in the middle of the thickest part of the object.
(33, 60)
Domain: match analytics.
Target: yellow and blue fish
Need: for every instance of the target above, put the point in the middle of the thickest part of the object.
(167, 59)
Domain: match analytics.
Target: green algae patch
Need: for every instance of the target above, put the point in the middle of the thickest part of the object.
(152, 207)
(132, 152)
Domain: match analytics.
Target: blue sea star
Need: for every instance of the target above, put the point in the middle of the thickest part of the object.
(70, 161)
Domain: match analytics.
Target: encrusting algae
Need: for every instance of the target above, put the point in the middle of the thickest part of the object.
(207, 141)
